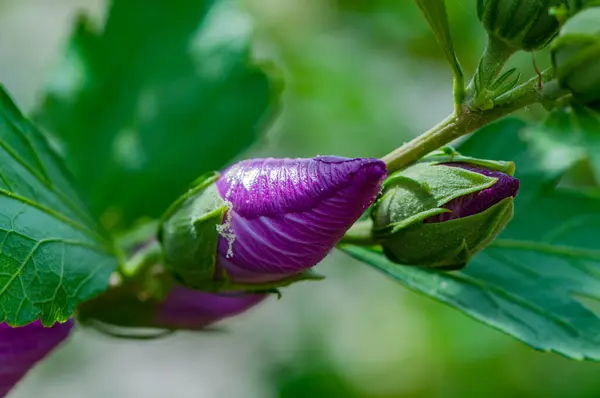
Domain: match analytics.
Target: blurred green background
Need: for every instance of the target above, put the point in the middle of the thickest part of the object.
(362, 76)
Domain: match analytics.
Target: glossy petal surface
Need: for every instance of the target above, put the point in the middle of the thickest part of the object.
(287, 214)
(21, 348)
(192, 309)
(477, 202)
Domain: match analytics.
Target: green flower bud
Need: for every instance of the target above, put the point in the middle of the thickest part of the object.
(522, 24)
(189, 234)
(571, 7)
(444, 209)
(576, 56)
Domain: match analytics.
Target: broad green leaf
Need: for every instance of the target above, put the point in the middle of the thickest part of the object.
(159, 95)
(437, 17)
(528, 282)
(51, 256)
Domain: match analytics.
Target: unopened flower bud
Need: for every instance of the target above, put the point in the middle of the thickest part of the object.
(522, 24)
(569, 8)
(441, 211)
(161, 303)
(576, 56)
(193, 310)
(287, 214)
(264, 221)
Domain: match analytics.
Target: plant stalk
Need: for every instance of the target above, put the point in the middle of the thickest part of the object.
(470, 120)
(360, 234)
(494, 57)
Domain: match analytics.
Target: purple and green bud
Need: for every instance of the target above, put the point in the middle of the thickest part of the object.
(131, 306)
(527, 25)
(23, 347)
(263, 223)
(443, 210)
(186, 309)
(576, 56)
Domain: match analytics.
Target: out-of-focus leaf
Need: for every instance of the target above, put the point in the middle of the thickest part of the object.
(568, 132)
(437, 17)
(527, 281)
(163, 93)
(51, 256)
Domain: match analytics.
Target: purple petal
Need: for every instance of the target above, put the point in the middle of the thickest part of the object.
(21, 348)
(474, 203)
(287, 214)
(192, 309)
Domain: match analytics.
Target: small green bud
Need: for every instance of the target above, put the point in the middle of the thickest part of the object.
(571, 7)
(441, 211)
(576, 56)
(189, 234)
(522, 24)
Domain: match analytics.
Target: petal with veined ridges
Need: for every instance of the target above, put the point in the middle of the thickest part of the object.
(287, 214)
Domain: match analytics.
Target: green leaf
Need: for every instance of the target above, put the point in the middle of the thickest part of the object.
(528, 282)
(437, 17)
(159, 95)
(51, 256)
(571, 132)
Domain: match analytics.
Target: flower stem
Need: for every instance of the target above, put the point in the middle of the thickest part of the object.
(360, 234)
(458, 90)
(470, 120)
(492, 61)
(145, 257)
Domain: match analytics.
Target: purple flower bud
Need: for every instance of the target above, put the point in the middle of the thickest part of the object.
(260, 222)
(21, 348)
(468, 205)
(177, 308)
(286, 215)
(193, 310)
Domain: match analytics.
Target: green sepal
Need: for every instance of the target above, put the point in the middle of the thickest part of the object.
(449, 154)
(419, 192)
(189, 234)
(448, 245)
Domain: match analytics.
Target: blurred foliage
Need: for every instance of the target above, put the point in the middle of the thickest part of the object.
(155, 98)
(569, 133)
(437, 16)
(507, 372)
